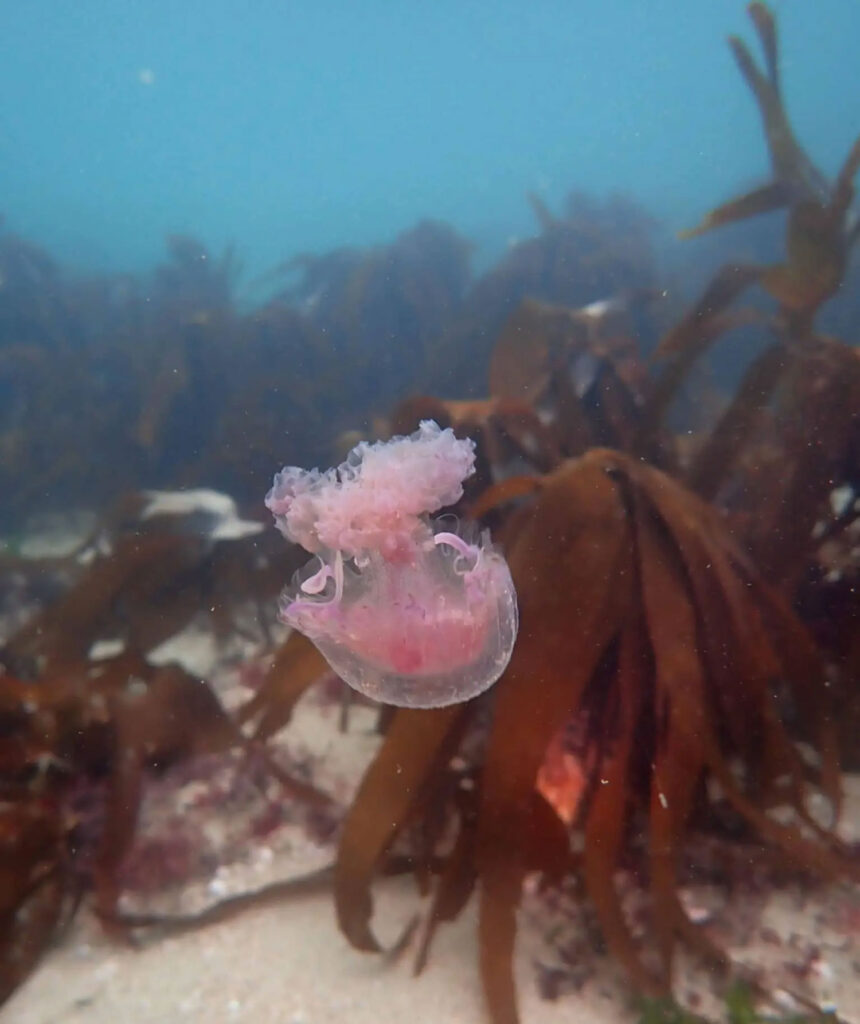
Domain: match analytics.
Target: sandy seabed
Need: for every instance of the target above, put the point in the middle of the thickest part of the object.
(286, 962)
(277, 965)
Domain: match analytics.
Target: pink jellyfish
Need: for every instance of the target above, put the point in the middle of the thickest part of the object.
(404, 609)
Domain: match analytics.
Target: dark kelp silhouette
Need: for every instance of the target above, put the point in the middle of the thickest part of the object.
(175, 386)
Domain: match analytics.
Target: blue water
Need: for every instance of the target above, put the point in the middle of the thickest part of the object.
(289, 126)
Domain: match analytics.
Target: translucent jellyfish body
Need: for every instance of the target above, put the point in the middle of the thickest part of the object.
(404, 609)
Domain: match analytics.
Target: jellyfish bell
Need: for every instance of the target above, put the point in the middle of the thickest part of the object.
(431, 630)
(405, 610)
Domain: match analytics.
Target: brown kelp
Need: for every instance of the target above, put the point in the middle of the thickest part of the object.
(167, 382)
(590, 252)
(561, 380)
(641, 613)
(81, 730)
(809, 382)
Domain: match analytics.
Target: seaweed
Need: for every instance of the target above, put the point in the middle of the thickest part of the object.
(740, 1009)
(168, 383)
(99, 722)
(35, 890)
(644, 609)
(80, 733)
(580, 368)
(592, 252)
(639, 611)
(795, 176)
(560, 381)
(808, 383)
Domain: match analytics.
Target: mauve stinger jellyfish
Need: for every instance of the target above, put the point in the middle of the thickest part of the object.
(407, 610)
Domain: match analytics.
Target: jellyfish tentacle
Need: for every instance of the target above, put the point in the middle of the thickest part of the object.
(316, 584)
(455, 542)
(338, 577)
(469, 555)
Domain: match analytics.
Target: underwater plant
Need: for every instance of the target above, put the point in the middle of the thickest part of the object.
(80, 733)
(740, 1009)
(822, 227)
(639, 611)
(560, 381)
(405, 611)
(591, 251)
(808, 382)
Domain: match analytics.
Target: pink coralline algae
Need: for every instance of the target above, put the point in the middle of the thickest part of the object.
(406, 610)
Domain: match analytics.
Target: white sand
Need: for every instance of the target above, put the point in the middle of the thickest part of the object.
(288, 963)
(284, 965)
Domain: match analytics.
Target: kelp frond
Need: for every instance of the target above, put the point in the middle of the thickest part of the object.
(638, 610)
